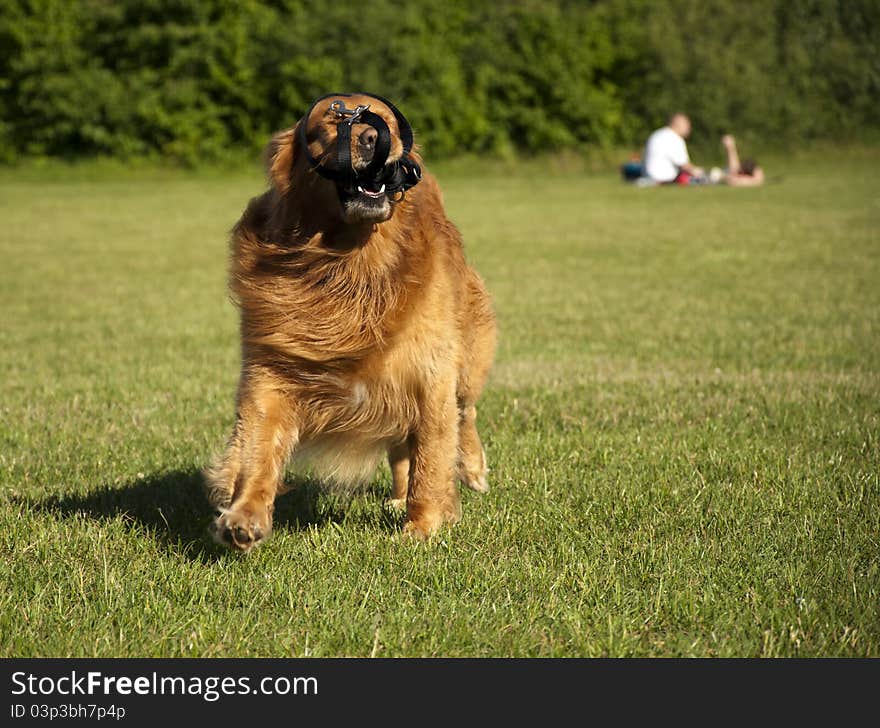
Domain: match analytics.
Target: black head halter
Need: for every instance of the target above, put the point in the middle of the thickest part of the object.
(397, 176)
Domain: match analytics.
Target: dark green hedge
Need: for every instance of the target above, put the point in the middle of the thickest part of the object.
(204, 79)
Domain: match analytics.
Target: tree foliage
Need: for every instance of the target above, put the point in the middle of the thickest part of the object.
(201, 79)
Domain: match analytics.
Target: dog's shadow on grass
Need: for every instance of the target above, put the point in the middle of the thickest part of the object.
(172, 508)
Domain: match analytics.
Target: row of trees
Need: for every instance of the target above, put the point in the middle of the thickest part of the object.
(203, 79)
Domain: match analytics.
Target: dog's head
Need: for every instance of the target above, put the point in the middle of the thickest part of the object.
(353, 152)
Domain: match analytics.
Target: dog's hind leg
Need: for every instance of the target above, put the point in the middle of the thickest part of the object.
(472, 470)
(398, 461)
(479, 351)
(266, 436)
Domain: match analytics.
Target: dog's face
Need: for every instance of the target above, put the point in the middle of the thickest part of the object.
(291, 171)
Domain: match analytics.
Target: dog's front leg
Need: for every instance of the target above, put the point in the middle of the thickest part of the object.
(432, 498)
(267, 435)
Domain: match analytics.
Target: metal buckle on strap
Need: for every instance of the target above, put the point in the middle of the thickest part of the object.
(338, 108)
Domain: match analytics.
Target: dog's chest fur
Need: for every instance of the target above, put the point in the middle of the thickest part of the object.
(376, 393)
(366, 335)
(354, 410)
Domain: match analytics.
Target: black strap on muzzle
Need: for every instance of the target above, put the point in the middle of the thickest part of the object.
(398, 176)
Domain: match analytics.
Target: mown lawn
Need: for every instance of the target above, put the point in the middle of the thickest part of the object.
(683, 428)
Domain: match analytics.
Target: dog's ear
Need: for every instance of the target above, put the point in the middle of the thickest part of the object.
(280, 156)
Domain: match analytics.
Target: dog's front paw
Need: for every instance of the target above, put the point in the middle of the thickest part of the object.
(241, 528)
(420, 530)
(422, 523)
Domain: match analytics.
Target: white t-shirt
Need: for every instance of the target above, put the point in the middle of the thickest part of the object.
(665, 152)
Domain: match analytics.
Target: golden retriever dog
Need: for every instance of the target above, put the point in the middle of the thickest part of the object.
(363, 330)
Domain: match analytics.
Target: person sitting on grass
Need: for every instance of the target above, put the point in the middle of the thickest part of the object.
(745, 173)
(666, 157)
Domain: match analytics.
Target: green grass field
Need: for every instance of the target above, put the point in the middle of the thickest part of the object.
(682, 425)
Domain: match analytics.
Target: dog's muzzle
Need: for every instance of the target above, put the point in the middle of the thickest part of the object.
(377, 178)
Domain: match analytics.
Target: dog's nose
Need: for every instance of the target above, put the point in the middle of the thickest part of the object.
(368, 138)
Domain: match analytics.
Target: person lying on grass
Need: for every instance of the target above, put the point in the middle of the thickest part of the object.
(745, 173)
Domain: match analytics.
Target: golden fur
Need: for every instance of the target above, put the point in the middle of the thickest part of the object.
(363, 332)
